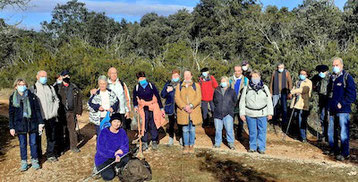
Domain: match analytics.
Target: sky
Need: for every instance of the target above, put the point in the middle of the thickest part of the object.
(131, 10)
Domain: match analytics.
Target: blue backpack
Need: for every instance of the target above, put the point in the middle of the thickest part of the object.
(105, 122)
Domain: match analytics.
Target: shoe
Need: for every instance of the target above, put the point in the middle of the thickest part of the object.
(304, 141)
(231, 146)
(261, 152)
(181, 141)
(171, 141)
(191, 150)
(76, 150)
(35, 164)
(215, 146)
(144, 146)
(186, 150)
(340, 158)
(154, 145)
(24, 166)
(328, 152)
(252, 151)
(52, 159)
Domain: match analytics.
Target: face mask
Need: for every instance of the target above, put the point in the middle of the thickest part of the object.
(175, 79)
(302, 77)
(21, 88)
(143, 83)
(280, 70)
(67, 80)
(205, 74)
(59, 81)
(255, 80)
(43, 80)
(223, 84)
(322, 75)
(336, 69)
(244, 68)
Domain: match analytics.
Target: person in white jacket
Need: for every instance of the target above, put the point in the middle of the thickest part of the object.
(256, 108)
(49, 104)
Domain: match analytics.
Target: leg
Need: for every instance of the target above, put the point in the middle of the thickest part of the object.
(275, 99)
(284, 107)
(39, 144)
(50, 127)
(262, 129)
(33, 145)
(252, 125)
(204, 109)
(218, 131)
(152, 127)
(330, 132)
(212, 107)
(71, 126)
(344, 124)
(109, 173)
(302, 124)
(146, 127)
(172, 122)
(23, 146)
(240, 127)
(191, 134)
(186, 135)
(229, 127)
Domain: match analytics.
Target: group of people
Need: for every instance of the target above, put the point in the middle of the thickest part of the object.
(188, 104)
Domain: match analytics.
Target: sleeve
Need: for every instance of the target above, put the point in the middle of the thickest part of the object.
(178, 100)
(269, 103)
(95, 107)
(164, 92)
(102, 150)
(135, 95)
(289, 80)
(57, 101)
(79, 103)
(242, 102)
(271, 83)
(128, 98)
(38, 110)
(156, 93)
(350, 94)
(197, 101)
(234, 98)
(11, 114)
(115, 106)
(124, 143)
(215, 83)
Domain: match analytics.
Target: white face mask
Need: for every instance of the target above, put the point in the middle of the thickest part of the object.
(244, 68)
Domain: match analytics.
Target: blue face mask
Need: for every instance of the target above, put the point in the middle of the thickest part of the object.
(336, 69)
(175, 79)
(21, 88)
(302, 77)
(205, 74)
(223, 84)
(280, 70)
(322, 75)
(59, 81)
(43, 80)
(255, 80)
(143, 83)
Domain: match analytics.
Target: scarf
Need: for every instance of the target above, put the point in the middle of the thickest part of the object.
(17, 99)
(258, 86)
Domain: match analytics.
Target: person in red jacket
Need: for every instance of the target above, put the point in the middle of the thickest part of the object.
(208, 85)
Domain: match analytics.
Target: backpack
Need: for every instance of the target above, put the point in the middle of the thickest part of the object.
(345, 78)
(135, 170)
(263, 89)
(137, 86)
(193, 85)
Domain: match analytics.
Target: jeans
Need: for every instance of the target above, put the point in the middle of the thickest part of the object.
(257, 132)
(109, 173)
(50, 128)
(302, 116)
(189, 134)
(283, 109)
(205, 109)
(335, 121)
(23, 145)
(228, 122)
(150, 126)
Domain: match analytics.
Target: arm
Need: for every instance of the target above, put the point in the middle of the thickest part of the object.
(215, 83)
(350, 94)
(95, 107)
(124, 144)
(128, 98)
(115, 106)
(79, 103)
(289, 80)
(135, 95)
(197, 101)
(102, 150)
(242, 102)
(269, 103)
(178, 100)
(156, 93)
(57, 101)
(271, 82)
(234, 98)
(38, 110)
(164, 92)
(11, 114)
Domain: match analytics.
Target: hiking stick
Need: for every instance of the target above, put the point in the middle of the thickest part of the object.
(289, 122)
(140, 154)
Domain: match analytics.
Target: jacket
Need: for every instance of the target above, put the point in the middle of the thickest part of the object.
(341, 90)
(208, 88)
(169, 106)
(256, 104)
(153, 106)
(224, 103)
(186, 96)
(70, 98)
(122, 92)
(302, 101)
(244, 81)
(94, 103)
(21, 124)
(48, 100)
(284, 88)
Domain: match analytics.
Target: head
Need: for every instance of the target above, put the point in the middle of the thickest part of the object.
(303, 74)
(102, 83)
(20, 85)
(175, 75)
(245, 65)
(224, 83)
(188, 76)
(65, 76)
(112, 74)
(204, 72)
(280, 67)
(59, 79)
(337, 64)
(115, 121)
(255, 76)
(141, 76)
(237, 71)
(42, 77)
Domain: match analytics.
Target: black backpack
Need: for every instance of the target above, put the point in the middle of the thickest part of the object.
(135, 170)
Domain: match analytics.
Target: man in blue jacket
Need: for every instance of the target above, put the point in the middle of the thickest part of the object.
(341, 93)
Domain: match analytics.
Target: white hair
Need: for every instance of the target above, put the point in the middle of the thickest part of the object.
(338, 58)
(102, 78)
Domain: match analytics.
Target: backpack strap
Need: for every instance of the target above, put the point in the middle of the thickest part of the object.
(181, 86)
(345, 78)
(137, 86)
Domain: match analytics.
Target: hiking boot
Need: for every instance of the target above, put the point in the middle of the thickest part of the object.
(35, 164)
(171, 141)
(304, 141)
(24, 166)
(231, 146)
(251, 151)
(144, 146)
(191, 150)
(328, 152)
(216, 146)
(52, 159)
(261, 152)
(154, 145)
(340, 158)
(76, 150)
(186, 150)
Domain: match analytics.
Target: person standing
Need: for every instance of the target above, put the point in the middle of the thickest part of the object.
(71, 100)
(188, 99)
(256, 108)
(49, 104)
(246, 68)
(341, 94)
(280, 87)
(207, 85)
(168, 93)
(237, 83)
(25, 120)
(301, 95)
(225, 100)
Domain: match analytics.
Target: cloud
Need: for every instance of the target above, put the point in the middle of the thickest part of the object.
(109, 7)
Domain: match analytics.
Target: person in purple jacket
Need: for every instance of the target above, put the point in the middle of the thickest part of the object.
(112, 144)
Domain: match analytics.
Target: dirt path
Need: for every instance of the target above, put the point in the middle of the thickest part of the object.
(288, 160)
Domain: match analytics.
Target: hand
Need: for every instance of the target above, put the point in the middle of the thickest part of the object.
(110, 110)
(269, 117)
(339, 105)
(78, 115)
(41, 127)
(187, 108)
(163, 113)
(126, 115)
(289, 96)
(12, 132)
(100, 108)
(118, 152)
(93, 91)
(243, 118)
(169, 89)
(118, 159)
(136, 109)
(190, 111)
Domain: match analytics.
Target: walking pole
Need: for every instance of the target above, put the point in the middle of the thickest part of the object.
(289, 122)
(140, 154)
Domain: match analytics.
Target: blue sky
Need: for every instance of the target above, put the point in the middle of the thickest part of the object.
(132, 10)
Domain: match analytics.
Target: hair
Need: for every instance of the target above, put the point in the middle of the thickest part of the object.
(280, 63)
(337, 58)
(305, 70)
(255, 72)
(111, 68)
(176, 71)
(102, 78)
(140, 74)
(40, 72)
(17, 81)
(189, 72)
(238, 66)
(224, 77)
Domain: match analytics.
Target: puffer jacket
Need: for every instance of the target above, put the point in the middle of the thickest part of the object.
(224, 103)
(256, 104)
